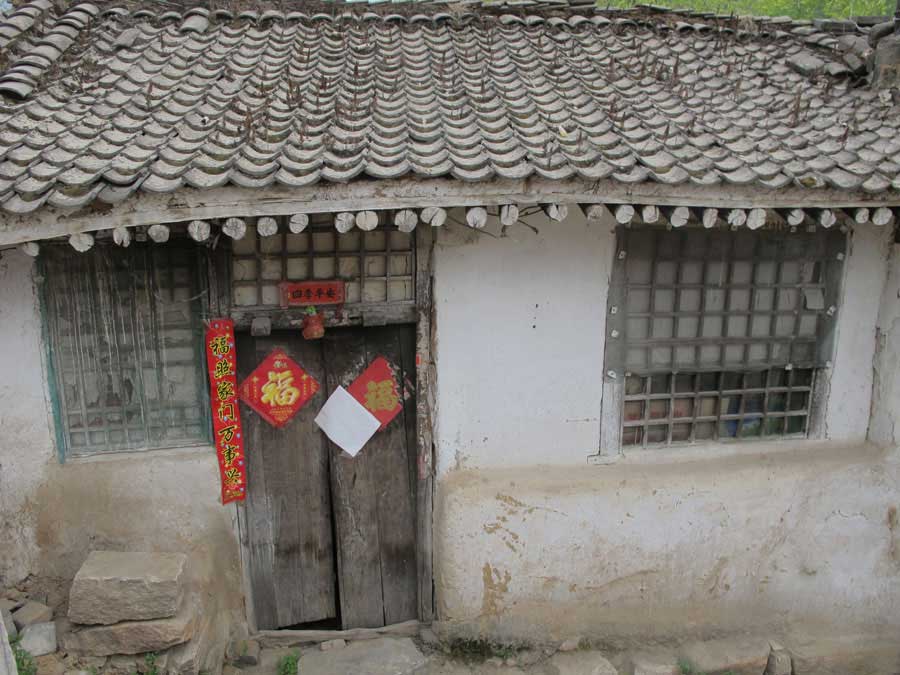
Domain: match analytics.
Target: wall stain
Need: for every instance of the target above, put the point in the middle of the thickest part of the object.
(892, 522)
(714, 580)
(496, 585)
(513, 505)
(507, 536)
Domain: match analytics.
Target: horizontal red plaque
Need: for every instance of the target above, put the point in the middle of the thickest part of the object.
(304, 293)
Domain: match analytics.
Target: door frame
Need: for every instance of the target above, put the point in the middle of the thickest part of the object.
(219, 272)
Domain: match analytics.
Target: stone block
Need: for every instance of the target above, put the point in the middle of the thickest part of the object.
(112, 586)
(121, 665)
(32, 612)
(245, 652)
(740, 656)
(7, 619)
(39, 639)
(10, 605)
(328, 645)
(200, 653)
(135, 637)
(88, 663)
(779, 662)
(570, 645)
(652, 663)
(50, 664)
(582, 663)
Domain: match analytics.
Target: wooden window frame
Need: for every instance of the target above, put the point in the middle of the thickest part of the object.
(49, 303)
(617, 427)
(361, 313)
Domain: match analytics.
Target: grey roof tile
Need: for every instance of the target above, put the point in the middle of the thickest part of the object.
(106, 104)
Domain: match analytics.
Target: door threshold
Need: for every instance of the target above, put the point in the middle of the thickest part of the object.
(279, 639)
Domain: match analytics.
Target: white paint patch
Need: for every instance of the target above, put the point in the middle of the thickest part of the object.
(519, 354)
(848, 407)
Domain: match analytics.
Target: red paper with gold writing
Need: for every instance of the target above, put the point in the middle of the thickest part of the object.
(278, 388)
(377, 390)
(227, 430)
(305, 293)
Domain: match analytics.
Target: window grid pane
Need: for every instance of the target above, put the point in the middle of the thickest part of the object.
(125, 339)
(378, 267)
(697, 299)
(716, 406)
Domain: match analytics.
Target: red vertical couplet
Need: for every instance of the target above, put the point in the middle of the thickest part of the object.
(229, 435)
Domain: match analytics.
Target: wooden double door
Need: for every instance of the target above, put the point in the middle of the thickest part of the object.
(331, 539)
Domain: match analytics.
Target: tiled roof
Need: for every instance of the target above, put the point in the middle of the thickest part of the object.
(100, 103)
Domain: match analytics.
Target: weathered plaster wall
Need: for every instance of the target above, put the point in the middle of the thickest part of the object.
(886, 391)
(532, 541)
(25, 441)
(668, 547)
(52, 514)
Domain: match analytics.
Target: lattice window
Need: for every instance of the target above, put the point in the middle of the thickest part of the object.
(378, 266)
(685, 407)
(126, 346)
(717, 334)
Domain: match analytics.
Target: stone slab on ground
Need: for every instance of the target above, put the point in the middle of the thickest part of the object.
(383, 656)
(135, 637)
(39, 639)
(579, 663)
(651, 663)
(32, 612)
(850, 654)
(742, 655)
(114, 586)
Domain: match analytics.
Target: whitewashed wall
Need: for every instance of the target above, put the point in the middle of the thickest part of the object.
(532, 541)
(520, 325)
(886, 393)
(25, 437)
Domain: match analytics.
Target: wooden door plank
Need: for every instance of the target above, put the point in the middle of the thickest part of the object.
(289, 519)
(315, 553)
(354, 500)
(258, 530)
(388, 454)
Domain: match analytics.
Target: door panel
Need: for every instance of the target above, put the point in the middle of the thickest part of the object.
(373, 494)
(316, 520)
(288, 506)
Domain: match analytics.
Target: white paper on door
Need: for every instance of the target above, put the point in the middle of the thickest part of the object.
(346, 422)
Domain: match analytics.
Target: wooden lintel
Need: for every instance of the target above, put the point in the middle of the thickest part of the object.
(189, 204)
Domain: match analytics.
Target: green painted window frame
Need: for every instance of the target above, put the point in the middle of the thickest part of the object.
(143, 281)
